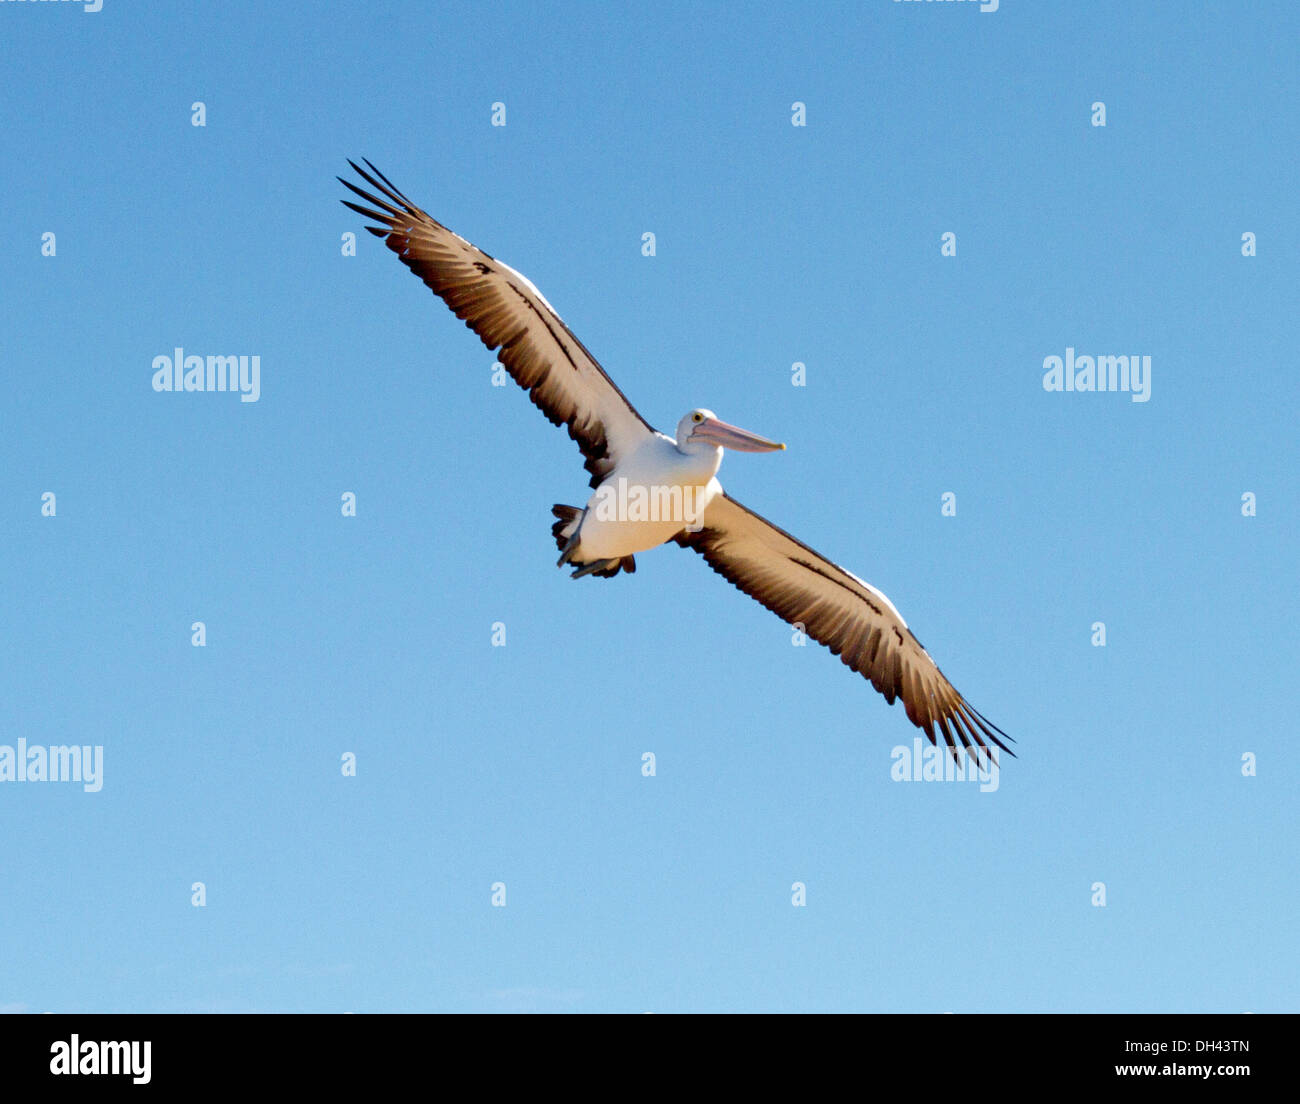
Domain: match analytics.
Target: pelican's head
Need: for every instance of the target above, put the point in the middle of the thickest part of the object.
(702, 429)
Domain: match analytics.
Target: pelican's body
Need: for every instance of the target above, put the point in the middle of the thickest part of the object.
(647, 500)
(651, 489)
(660, 490)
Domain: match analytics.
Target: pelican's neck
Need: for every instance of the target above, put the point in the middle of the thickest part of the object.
(705, 459)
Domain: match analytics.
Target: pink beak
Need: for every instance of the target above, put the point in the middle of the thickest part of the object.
(718, 432)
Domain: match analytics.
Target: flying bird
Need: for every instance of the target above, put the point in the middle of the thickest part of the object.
(652, 489)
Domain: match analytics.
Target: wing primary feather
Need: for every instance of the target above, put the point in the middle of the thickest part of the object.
(387, 188)
(366, 213)
(393, 189)
(989, 728)
(393, 212)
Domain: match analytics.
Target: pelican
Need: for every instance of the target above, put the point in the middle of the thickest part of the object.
(651, 489)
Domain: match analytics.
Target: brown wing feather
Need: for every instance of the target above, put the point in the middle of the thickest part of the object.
(508, 313)
(837, 609)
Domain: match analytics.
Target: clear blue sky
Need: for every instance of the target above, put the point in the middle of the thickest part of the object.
(522, 764)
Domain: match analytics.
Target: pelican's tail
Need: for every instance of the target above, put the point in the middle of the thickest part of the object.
(565, 532)
(570, 518)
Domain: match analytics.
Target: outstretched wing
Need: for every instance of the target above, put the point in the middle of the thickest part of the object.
(836, 608)
(508, 312)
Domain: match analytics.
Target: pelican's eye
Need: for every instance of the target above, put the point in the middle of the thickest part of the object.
(697, 417)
